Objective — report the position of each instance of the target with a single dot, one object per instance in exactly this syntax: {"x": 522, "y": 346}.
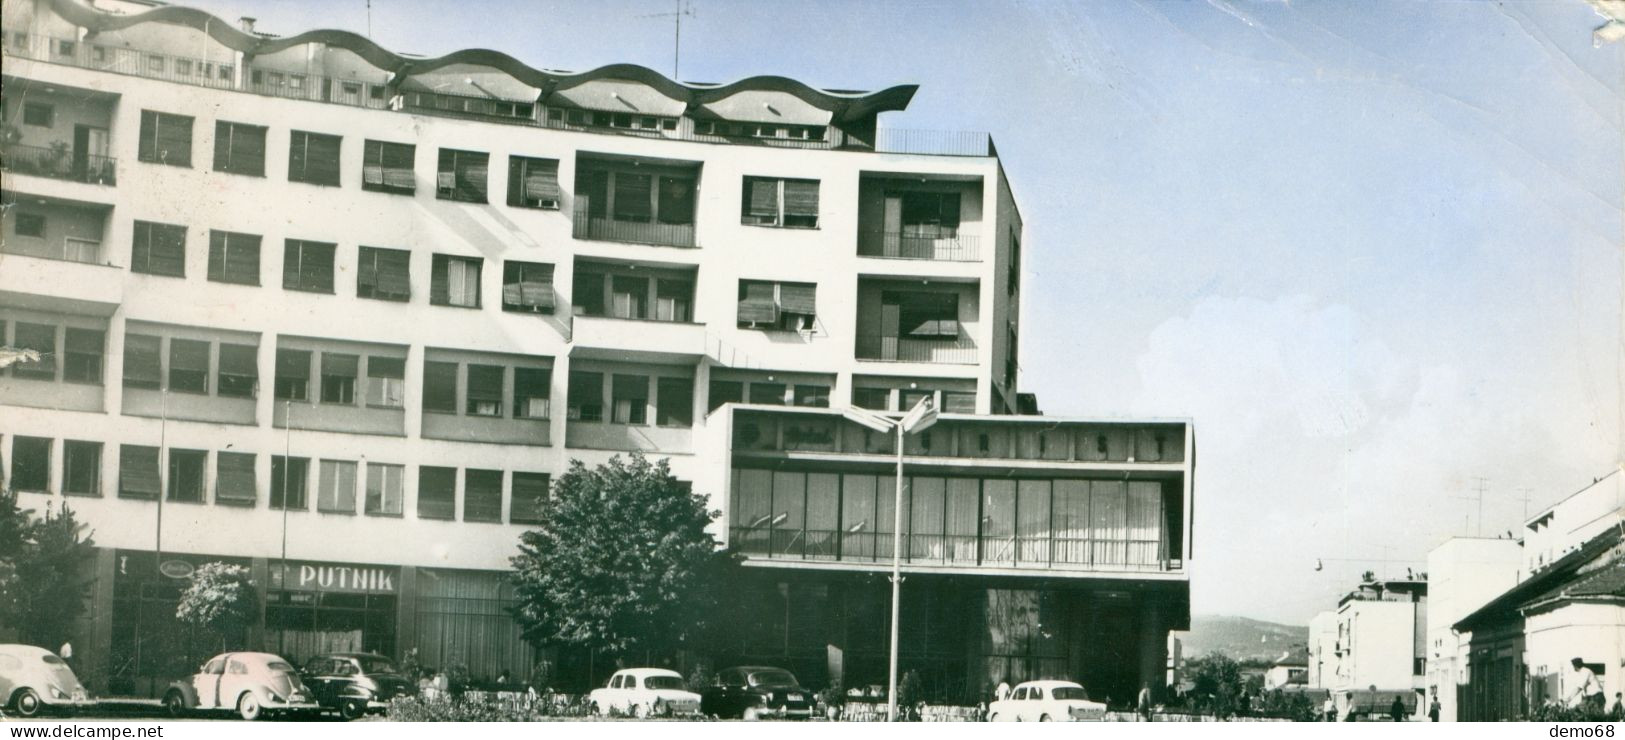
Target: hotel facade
{"x": 340, "y": 316}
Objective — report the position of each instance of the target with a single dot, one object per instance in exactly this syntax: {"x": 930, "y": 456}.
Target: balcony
{"x": 957, "y": 350}
{"x": 608, "y": 229}
{"x": 903, "y": 245}
{"x": 591, "y": 435}
{"x": 60, "y": 163}
{"x": 601, "y": 337}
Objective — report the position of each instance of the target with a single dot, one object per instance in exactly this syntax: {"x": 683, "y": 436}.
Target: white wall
{"x": 1464, "y": 573}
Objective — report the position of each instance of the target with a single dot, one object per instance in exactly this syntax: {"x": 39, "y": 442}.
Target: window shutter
{"x": 293, "y": 364}
{"x": 541, "y": 179}
{"x": 485, "y": 383}
{"x": 298, "y": 156}
{"x": 632, "y": 197}
{"x": 175, "y": 139}
{"x": 676, "y": 200}
{"x": 472, "y": 173}
{"x": 141, "y": 361}
{"x": 159, "y": 249}
{"x": 234, "y": 258}
{"x": 83, "y": 341}
{"x": 801, "y": 197}
{"x": 764, "y": 197}
{"x": 440, "y": 386}
{"x": 322, "y": 159}
{"x": 238, "y": 359}
{"x": 801, "y": 298}
{"x": 440, "y": 280}
{"x": 307, "y": 266}
{"x": 138, "y": 471}
{"x": 147, "y": 148}
{"x": 235, "y": 478}
{"x": 482, "y": 495}
{"x": 386, "y": 367}
{"x": 341, "y": 365}
{"x": 397, "y": 164}
{"x": 392, "y": 272}
{"x": 527, "y": 285}
{"x": 530, "y": 497}
{"x": 188, "y": 354}
{"x": 757, "y": 305}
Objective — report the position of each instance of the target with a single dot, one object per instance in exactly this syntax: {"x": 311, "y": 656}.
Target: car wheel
{"x": 598, "y": 709}
{"x": 994, "y": 717}
{"x": 175, "y": 704}
{"x": 26, "y": 703}
{"x": 641, "y": 711}
{"x": 248, "y": 707}
{"x": 1043, "y": 718}
{"x": 352, "y": 709}
{"x": 749, "y": 715}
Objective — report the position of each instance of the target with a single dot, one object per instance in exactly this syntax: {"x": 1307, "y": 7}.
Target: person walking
{"x": 1143, "y": 704}
{"x": 1328, "y": 708}
{"x": 1433, "y": 710}
{"x": 1617, "y": 714}
{"x": 1397, "y": 709}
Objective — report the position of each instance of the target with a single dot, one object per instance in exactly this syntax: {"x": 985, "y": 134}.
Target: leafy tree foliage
{"x": 220, "y": 598}
{"x": 42, "y": 571}
{"x": 1219, "y": 684}
{"x": 623, "y": 563}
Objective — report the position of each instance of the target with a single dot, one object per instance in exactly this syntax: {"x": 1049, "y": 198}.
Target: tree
{"x": 42, "y": 566}
{"x": 220, "y": 598}
{"x": 1219, "y": 684}
{"x": 623, "y": 562}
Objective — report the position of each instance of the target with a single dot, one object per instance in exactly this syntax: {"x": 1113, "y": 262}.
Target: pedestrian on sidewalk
{"x": 1397, "y": 709}
{"x": 1144, "y": 702}
{"x": 1433, "y": 710}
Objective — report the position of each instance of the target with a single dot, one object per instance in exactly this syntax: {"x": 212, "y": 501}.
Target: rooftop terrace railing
{"x": 360, "y": 93}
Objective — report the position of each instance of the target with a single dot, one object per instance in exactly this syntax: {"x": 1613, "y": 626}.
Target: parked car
{"x": 250, "y": 684}
{"x": 1046, "y": 701}
{"x": 33, "y": 680}
{"x": 645, "y": 692}
{"x": 354, "y": 684}
{"x": 756, "y": 692}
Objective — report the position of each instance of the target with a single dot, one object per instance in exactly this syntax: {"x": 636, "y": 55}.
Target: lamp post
{"x": 923, "y": 415}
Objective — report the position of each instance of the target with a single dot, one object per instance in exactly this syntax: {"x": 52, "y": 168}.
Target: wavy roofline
{"x": 842, "y": 106}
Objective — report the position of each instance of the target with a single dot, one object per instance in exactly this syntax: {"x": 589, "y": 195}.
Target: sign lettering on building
{"x": 328, "y": 578}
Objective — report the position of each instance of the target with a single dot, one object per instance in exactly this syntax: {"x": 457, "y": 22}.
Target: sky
{"x": 1372, "y": 249}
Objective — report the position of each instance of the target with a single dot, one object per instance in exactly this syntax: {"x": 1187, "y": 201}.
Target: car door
{"x": 237, "y": 679}
{"x": 1022, "y": 701}
{"x": 206, "y": 683}
{"x": 617, "y": 692}
{"x": 319, "y": 678}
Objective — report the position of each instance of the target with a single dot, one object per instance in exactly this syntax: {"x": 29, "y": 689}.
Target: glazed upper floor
{"x": 190, "y": 46}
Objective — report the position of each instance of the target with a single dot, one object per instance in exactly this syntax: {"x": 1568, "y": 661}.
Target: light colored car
{"x": 645, "y": 692}
{"x": 1046, "y": 701}
{"x": 250, "y": 684}
{"x": 34, "y": 679}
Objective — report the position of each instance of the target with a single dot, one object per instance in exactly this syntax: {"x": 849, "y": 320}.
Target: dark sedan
{"x": 756, "y": 692}
{"x": 354, "y": 684}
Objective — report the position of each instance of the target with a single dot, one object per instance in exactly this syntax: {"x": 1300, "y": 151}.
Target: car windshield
{"x": 1065, "y": 693}
{"x": 378, "y": 665}
{"x": 51, "y": 659}
{"x": 664, "y": 682}
{"x": 277, "y": 665}
{"x": 772, "y": 678}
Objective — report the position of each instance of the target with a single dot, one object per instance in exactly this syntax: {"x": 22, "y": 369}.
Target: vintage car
{"x": 645, "y": 692}
{"x": 33, "y": 680}
{"x": 756, "y": 692}
{"x": 354, "y": 684}
{"x": 1046, "y": 701}
{"x": 250, "y": 684}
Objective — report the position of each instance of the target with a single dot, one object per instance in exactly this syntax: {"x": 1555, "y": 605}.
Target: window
{"x": 142, "y": 358}
{"x": 437, "y": 492}
{"x": 672, "y": 299}
{"x": 384, "y": 489}
{"x": 165, "y": 138}
{"x": 307, "y": 266}
{"x": 674, "y": 402}
{"x": 772, "y": 201}
{"x": 158, "y": 249}
{"x": 335, "y": 487}
{"x": 186, "y": 476}
{"x": 239, "y": 372}
{"x": 589, "y": 293}
{"x": 877, "y": 399}
{"x": 485, "y": 390}
{"x": 81, "y": 468}
{"x": 386, "y": 382}
{"x": 772, "y": 394}
{"x": 313, "y": 158}
{"x": 631, "y": 398}
{"x": 482, "y": 495}
{"x": 924, "y": 315}
{"x": 533, "y": 183}
{"x": 384, "y": 274}
{"x": 528, "y": 504}
{"x": 234, "y": 478}
{"x": 812, "y": 395}
{"x": 632, "y": 197}
{"x": 30, "y": 224}
{"x": 777, "y": 306}
{"x": 30, "y": 463}
{"x": 531, "y": 391}
{"x": 930, "y": 214}
{"x": 637, "y": 197}
{"x": 455, "y": 281}
{"x": 676, "y": 201}
{"x": 1010, "y": 364}
{"x": 42, "y": 339}
{"x": 586, "y": 396}
{"x": 725, "y": 391}
{"x": 440, "y": 387}
{"x": 188, "y": 366}
{"x": 82, "y": 358}
{"x": 234, "y": 258}
{"x": 39, "y": 114}
{"x": 138, "y": 472}
{"x": 527, "y": 287}
{"x": 1012, "y": 279}
{"x": 338, "y": 378}
{"x": 292, "y": 374}
{"x": 462, "y": 176}
{"x": 239, "y": 148}
{"x": 957, "y": 402}
{"x": 387, "y": 167}
{"x": 629, "y": 297}
{"x": 290, "y": 482}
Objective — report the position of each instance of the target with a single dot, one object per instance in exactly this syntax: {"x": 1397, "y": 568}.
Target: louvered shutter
{"x": 397, "y": 163}
{"x": 799, "y": 298}
{"x": 392, "y": 273}
{"x": 138, "y": 472}
{"x": 234, "y": 258}
{"x": 632, "y": 197}
{"x": 764, "y": 197}
{"x": 472, "y": 174}
{"x": 541, "y": 180}
{"x": 801, "y": 197}
{"x": 757, "y": 306}
{"x": 439, "y": 280}
{"x": 141, "y": 361}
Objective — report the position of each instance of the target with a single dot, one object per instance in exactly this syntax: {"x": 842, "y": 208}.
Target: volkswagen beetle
{"x": 250, "y": 684}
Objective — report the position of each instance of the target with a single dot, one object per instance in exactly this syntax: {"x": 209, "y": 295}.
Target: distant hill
{"x": 1241, "y": 638}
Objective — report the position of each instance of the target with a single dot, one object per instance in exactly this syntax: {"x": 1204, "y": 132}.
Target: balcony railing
{"x": 924, "y": 141}
{"x": 68, "y": 249}
{"x": 958, "y": 350}
{"x": 317, "y": 88}
{"x": 607, "y": 228}
{"x": 906, "y": 246}
{"x": 59, "y": 163}
{"x": 1041, "y": 550}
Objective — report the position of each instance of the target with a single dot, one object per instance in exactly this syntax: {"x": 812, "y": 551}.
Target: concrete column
{"x": 93, "y": 644}
{"x": 1153, "y": 659}
{"x": 406, "y": 614}
{"x": 260, "y": 571}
